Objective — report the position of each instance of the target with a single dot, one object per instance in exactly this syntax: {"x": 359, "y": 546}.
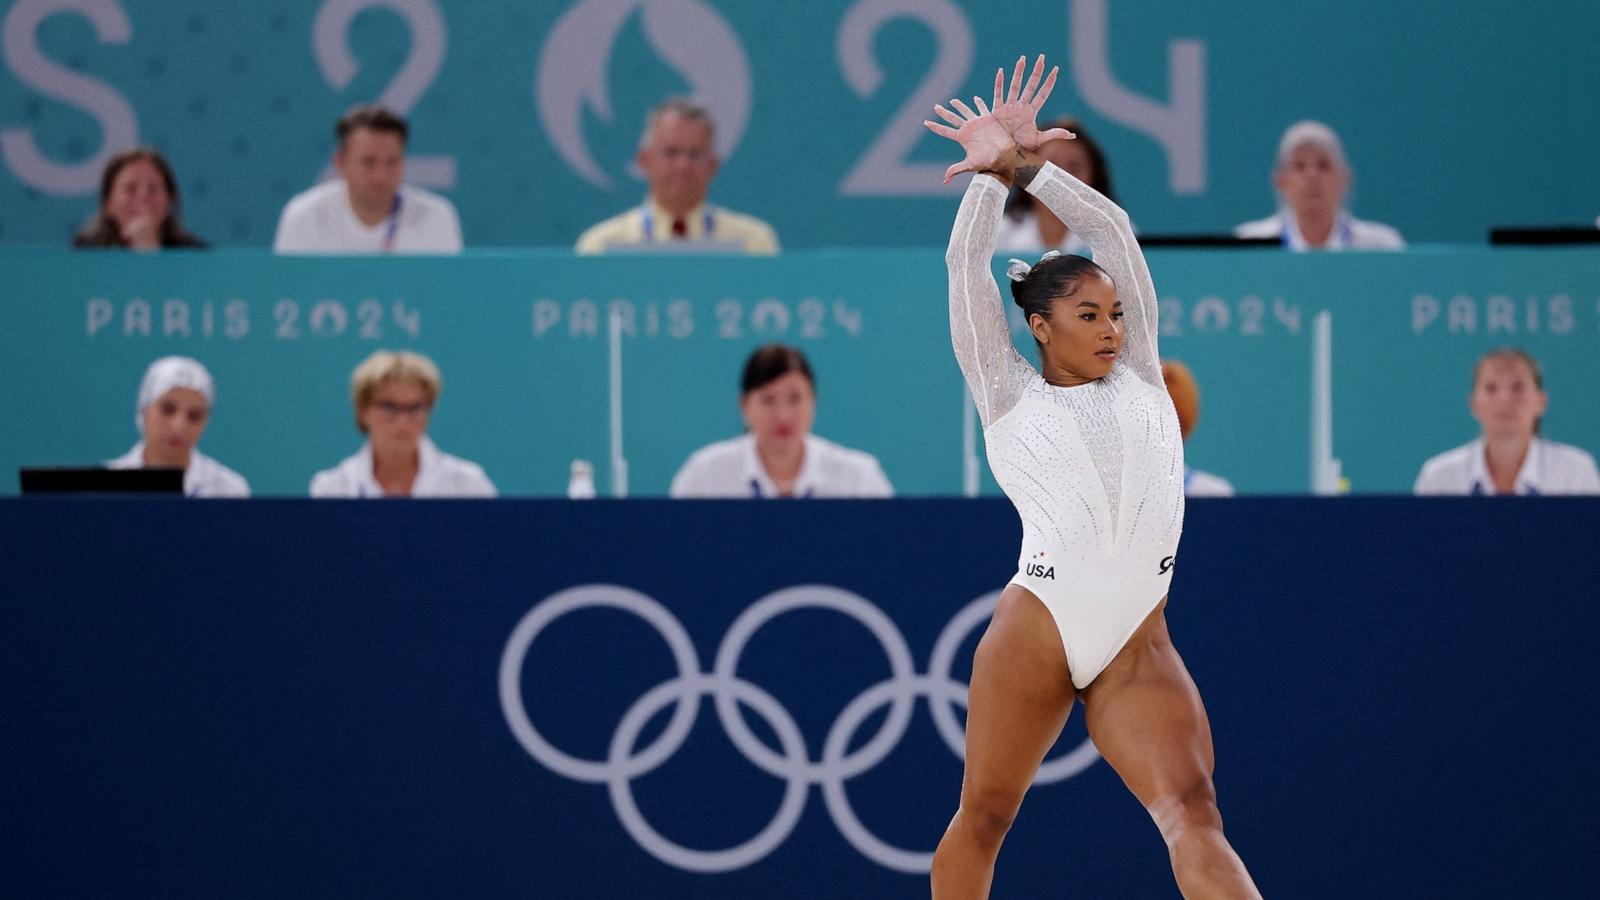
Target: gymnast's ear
{"x": 1040, "y": 326}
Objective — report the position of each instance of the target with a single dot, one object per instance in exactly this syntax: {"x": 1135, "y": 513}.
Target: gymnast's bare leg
{"x": 1146, "y": 718}
{"x": 1016, "y": 707}
{"x": 1144, "y": 715}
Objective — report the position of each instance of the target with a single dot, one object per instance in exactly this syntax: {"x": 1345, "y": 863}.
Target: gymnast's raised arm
{"x": 979, "y": 332}
{"x": 1100, "y": 222}
{"x": 995, "y": 372}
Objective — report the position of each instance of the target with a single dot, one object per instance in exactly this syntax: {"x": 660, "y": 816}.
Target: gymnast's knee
{"x": 1187, "y": 812}
{"x": 988, "y": 815}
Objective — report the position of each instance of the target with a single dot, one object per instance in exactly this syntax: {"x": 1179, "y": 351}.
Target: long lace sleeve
{"x": 995, "y": 372}
{"x": 1104, "y": 226}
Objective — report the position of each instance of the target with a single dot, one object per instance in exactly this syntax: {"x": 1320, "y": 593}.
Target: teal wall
{"x": 521, "y": 341}
{"x": 1457, "y": 115}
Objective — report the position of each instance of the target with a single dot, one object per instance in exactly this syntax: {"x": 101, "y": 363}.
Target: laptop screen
{"x": 97, "y": 480}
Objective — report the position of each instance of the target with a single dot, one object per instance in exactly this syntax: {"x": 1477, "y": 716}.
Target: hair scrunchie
{"x": 1018, "y": 270}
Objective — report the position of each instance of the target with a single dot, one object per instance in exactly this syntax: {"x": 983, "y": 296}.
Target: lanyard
{"x": 755, "y": 491}
{"x": 1486, "y": 486}
{"x": 393, "y": 227}
{"x": 650, "y": 225}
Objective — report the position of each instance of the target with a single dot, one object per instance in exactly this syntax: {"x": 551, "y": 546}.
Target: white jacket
{"x": 1549, "y": 468}
{"x": 732, "y": 469}
{"x": 438, "y": 475}
{"x": 1349, "y": 233}
{"x": 204, "y": 476}
{"x": 320, "y": 220}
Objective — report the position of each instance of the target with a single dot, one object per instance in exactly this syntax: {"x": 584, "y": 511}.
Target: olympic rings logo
{"x": 625, "y": 762}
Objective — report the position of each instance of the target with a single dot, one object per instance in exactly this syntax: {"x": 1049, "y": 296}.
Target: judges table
{"x": 603, "y": 699}
{"x": 523, "y": 339}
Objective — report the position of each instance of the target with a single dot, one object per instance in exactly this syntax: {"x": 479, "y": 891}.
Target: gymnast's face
{"x": 781, "y": 410}
{"x": 1083, "y": 336}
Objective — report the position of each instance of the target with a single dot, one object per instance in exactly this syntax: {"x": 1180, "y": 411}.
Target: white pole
{"x": 969, "y": 445}
{"x": 1325, "y": 474}
{"x": 619, "y": 463}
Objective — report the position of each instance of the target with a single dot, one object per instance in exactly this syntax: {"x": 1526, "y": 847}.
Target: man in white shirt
{"x": 368, "y": 209}
{"x": 1312, "y": 179}
{"x": 679, "y": 160}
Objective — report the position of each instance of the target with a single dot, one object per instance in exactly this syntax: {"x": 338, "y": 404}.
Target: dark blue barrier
{"x": 286, "y": 698}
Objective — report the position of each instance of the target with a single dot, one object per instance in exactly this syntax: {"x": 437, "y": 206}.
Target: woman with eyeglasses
{"x": 393, "y": 393}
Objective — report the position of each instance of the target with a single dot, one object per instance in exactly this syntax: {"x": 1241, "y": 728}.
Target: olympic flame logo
{"x": 625, "y": 762}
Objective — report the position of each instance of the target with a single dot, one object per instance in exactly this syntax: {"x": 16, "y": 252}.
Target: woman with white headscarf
{"x": 1312, "y": 179}
{"x": 175, "y": 402}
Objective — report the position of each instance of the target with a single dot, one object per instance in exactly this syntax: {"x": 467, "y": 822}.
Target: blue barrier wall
{"x": 286, "y": 698}
{"x": 521, "y": 341}
{"x": 527, "y": 115}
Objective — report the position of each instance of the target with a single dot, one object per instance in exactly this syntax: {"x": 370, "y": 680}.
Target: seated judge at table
{"x": 778, "y": 456}
{"x": 393, "y": 393}
{"x": 1510, "y": 457}
{"x": 174, "y": 407}
{"x": 1312, "y": 179}
{"x": 679, "y": 161}
{"x": 369, "y": 208}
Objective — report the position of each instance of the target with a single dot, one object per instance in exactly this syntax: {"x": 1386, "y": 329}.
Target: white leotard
{"x": 1096, "y": 470}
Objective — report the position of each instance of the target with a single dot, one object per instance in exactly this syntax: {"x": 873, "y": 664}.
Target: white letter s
{"x": 118, "y": 126}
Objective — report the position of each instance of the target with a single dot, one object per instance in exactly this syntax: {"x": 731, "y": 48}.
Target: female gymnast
{"x": 1090, "y": 454}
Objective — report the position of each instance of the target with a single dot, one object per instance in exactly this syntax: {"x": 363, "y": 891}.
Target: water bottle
{"x": 581, "y": 485}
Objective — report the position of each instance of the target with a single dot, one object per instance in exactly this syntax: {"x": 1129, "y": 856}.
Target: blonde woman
{"x": 393, "y": 393}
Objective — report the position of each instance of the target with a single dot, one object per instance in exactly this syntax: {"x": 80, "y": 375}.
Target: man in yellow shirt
{"x": 679, "y": 161}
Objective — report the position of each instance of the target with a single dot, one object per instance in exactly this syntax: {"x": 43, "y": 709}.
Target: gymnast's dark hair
{"x": 1054, "y": 278}
{"x": 771, "y": 362}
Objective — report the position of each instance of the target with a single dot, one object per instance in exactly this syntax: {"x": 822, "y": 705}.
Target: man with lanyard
{"x": 1312, "y": 178}
{"x": 368, "y": 209}
{"x": 678, "y": 160}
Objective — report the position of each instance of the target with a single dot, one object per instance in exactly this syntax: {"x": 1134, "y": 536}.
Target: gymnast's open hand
{"x": 990, "y": 137}
{"x": 1019, "y": 110}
